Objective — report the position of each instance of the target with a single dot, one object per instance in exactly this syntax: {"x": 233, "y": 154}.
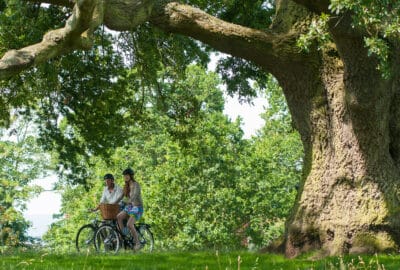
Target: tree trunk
{"x": 349, "y": 198}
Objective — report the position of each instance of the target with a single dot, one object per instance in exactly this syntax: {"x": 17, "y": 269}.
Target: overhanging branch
{"x": 265, "y": 48}
{"x": 77, "y": 34}
{"x": 261, "y": 47}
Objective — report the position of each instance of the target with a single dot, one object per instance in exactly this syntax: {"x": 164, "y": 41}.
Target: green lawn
{"x": 195, "y": 260}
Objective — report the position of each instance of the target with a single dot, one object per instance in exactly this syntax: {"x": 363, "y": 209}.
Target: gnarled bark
{"x": 349, "y": 200}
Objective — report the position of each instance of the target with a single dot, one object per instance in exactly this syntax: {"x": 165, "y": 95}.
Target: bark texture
{"x": 349, "y": 200}
{"x": 346, "y": 113}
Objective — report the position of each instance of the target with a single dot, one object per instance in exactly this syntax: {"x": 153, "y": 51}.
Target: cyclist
{"x": 112, "y": 193}
{"x": 134, "y": 206}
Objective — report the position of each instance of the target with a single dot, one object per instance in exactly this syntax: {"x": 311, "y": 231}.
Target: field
{"x": 190, "y": 261}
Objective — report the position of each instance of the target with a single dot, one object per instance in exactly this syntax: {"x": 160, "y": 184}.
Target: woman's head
{"x": 128, "y": 174}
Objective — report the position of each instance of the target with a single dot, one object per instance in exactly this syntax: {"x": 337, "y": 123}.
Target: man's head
{"x": 109, "y": 178}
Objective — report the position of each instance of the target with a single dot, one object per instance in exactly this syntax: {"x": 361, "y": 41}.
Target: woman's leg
{"x": 131, "y": 226}
{"x": 120, "y": 218}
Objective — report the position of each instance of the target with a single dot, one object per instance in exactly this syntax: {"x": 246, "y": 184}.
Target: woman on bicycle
{"x": 134, "y": 206}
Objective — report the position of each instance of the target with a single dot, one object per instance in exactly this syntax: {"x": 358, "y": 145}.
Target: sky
{"x": 41, "y": 209}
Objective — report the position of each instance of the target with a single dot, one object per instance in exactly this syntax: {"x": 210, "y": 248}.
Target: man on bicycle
{"x": 112, "y": 193}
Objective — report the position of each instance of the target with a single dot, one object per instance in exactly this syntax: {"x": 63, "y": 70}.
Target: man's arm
{"x": 119, "y": 194}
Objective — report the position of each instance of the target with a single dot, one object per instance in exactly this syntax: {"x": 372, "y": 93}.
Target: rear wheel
{"x": 107, "y": 239}
{"x": 84, "y": 240}
{"x": 146, "y": 238}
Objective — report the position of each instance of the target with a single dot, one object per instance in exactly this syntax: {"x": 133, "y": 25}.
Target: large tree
{"x": 343, "y": 97}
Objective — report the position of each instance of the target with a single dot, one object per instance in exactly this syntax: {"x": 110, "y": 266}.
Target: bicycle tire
{"x": 146, "y": 238}
{"x": 107, "y": 239}
{"x": 84, "y": 240}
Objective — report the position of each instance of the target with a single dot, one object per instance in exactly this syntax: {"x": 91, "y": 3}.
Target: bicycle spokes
{"x": 85, "y": 239}
{"x": 107, "y": 239}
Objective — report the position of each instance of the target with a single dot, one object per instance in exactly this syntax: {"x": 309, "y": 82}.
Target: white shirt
{"x": 111, "y": 197}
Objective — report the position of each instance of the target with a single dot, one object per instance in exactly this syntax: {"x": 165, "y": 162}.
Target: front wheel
{"x": 146, "y": 239}
{"x": 84, "y": 240}
{"x": 107, "y": 239}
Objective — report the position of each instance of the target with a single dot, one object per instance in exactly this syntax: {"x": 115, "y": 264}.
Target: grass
{"x": 189, "y": 261}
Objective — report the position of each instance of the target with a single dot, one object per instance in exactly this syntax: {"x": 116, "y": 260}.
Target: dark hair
{"x": 109, "y": 176}
{"x": 128, "y": 171}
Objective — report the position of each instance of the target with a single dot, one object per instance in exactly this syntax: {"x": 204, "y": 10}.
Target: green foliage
{"x": 380, "y": 20}
{"x": 23, "y": 24}
{"x": 377, "y": 21}
{"x": 379, "y": 48}
{"x": 194, "y": 202}
{"x": 203, "y": 183}
{"x": 376, "y": 17}
{"x": 74, "y": 213}
{"x": 255, "y": 14}
{"x": 317, "y": 32}
{"x": 198, "y": 138}
{"x": 87, "y": 108}
{"x": 150, "y": 51}
{"x": 21, "y": 162}
{"x": 138, "y": 103}
{"x": 238, "y": 75}
{"x": 271, "y": 169}
{"x": 84, "y": 115}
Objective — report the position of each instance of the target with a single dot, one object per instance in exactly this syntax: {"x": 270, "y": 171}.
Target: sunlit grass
{"x": 189, "y": 260}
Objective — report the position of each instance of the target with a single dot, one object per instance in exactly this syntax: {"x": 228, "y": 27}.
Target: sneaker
{"x": 130, "y": 243}
{"x": 107, "y": 240}
{"x": 137, "y": 247}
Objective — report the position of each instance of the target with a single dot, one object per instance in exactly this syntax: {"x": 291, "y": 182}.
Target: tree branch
{"x": 267, "y": 49}
{"x": 77, "y": 34}
{"x": 264, "y": 48}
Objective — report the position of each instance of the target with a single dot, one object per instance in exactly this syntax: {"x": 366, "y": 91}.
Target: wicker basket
{"x": 109, "y": 211}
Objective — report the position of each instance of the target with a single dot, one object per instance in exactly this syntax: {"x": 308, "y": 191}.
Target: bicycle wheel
{"x": 107, "y": 239}
{"x": 84, "y": 240}
{"x": 146, "y": 238}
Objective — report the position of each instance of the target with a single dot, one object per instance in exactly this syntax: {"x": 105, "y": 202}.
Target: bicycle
{"x": 109, "y": 238}
{"x": 84, "y": 239}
